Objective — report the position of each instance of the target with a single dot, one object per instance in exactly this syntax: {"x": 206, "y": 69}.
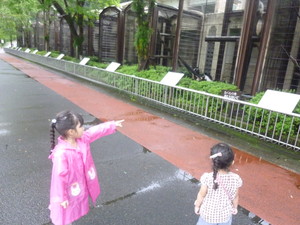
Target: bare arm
{"x": 201, "y": 194}
{"x": 235, "y": 202}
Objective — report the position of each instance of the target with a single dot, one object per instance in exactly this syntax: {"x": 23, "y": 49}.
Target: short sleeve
{"x": 205, "y": 179}
{"x": 239, "y": 181}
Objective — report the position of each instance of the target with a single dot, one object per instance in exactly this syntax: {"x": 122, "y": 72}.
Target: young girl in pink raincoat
{"x": 74, "y": 177}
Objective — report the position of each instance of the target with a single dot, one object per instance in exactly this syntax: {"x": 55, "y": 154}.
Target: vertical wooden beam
{"x": 61, "y": 33}
{"x": 265, "y": 37}
{"x": 177, "y": 36}
{"x": 153, "y": 25}
{"x": 90, "y": 40}
{"x": 120, "y": 37}
{"x": 245, "y": 46}
{"x": 226, "y": 21}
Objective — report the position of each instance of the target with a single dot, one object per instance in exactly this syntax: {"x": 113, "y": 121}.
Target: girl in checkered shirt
{"x": 217, "y": 199}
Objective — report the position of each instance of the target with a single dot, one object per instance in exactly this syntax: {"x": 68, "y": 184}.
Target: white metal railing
{"x": 282, "y": 128}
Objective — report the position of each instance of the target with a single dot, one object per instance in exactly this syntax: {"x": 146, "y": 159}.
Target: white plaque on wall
{"x": 171, "y": 78}
{"x": 113, "y": 66}
{"x": 84, "y": 61}
{"x": 279, "y": 101}
{"x": 60, "y": 56}
{"x": 47, "y": 54}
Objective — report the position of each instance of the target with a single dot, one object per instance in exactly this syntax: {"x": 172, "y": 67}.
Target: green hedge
{"x": 155, "y": 73}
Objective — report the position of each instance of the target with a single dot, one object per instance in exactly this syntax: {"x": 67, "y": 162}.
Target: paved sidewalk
{"x": 269, "y": 191}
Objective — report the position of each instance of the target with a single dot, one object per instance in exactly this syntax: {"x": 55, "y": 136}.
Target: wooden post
{"x": 245, "y": 47}
{"x": 177, "y": 36}
{"x": 265, "y": 37}
{"x": 224, "y": 32}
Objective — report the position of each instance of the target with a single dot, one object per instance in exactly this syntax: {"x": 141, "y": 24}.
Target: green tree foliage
{"x": 144, "y": 31}
{"x": 78, "y": 13}
{"x": 19, "y": 15}
{"x": 16, "y": 16}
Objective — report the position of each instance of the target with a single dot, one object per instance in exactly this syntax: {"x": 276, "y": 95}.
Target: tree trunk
{"x": 46, "y": 30}
{"x": 143, "y": 64}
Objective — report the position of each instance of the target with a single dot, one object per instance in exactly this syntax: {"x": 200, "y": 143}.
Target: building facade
{"x": 254, "y": 44}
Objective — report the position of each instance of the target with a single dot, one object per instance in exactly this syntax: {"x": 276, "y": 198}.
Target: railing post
{"x": 136, "y": 86}
{"x": 165, "y": 93}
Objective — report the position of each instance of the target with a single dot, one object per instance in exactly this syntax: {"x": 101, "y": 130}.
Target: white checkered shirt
{"x": 217, "y": 204}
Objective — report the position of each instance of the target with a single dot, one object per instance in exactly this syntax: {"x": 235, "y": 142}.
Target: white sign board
{"x": 84, "y": 61}
{"x": 35, "y": 51}
{"x": 60, "y": 56}
{"x": 171, "y": 78}
{"x": 113, "y": 66}
{"x": 279, "y": 101}
{"x": 47, "y": 54}
{"x": 27, "y": 50}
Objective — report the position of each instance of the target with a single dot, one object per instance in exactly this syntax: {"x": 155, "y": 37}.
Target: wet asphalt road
{"x": 138, "y": 187}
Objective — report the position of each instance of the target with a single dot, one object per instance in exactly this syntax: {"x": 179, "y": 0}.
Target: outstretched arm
{"x": 102, "y": 129}
{"x": 201, "y": 194}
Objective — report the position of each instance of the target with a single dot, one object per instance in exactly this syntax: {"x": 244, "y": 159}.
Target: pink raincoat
{"x": 74, "y": 176}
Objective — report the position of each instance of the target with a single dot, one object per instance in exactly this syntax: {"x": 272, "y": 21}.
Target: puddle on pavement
{"x": 182, "y": 175}
{"x": 151, "y": 187}
{"x": 254, "y": 218}
{"x": 243, "y": 159}
{"x": 4, "y": 132}
{"x": 5, "y": 124}
{"x": 139, "y": 115}
{"x": 143, "y": 118}
{"x": 49, "y": 223}
{"x": 88, "y": 124}
{"x": 137, "y": 112}
{"x": 119, "y": 199}
{"x": 145, "y": 150}
{"x": 179, "y": 175}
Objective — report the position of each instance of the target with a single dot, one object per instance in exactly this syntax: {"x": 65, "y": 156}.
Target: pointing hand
{"x": 119, "y": 123}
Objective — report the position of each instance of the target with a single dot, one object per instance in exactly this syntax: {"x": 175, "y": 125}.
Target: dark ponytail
{"x": 222, "y": 157}
{"x": 63, "y": 122}
{"x": 215, "y": 172}
{"x": 52, "y": 134}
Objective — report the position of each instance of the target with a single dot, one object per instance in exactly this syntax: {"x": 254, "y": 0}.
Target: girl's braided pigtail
{"x": 215, "y": 172}
{"x": 216, "y": 167}
{"x": 222, "y": 157}
{"x": 52, "y": 134}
